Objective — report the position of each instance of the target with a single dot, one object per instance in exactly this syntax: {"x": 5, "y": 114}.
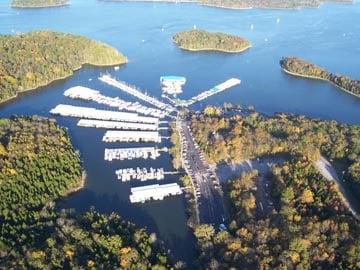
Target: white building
{"x": 154, "y": 192}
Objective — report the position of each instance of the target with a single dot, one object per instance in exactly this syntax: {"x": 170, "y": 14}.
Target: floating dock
{"x": 172, "y": 85}
{"x": 154, "y": 192}
{"x": 91, "y": 113}
{"x": 213, "y": 91}
{"x": 132, "y": 90}
{"x": 141, "y": 174}
{"x": 133, "y": 153}
{"x": 131, "y": 136}
{"x": 116, "y": 125}
{"x": 84, "y": 93}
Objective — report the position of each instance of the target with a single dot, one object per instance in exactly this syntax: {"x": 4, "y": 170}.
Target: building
{"x": 154, "y": 192}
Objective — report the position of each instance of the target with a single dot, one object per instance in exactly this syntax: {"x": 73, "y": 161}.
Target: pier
{"x": 154, "y": 192}
{"x": 84, "y": 93}
{"x": 116, "y": 125}
{"x": 132, "y": 90}
{"x": 133, "y": 153}
{"x": 132, "y": 136}
{"x": 141, "y": 174}
{"x": 91, "y": 113}
{"x": 213, "y": 91}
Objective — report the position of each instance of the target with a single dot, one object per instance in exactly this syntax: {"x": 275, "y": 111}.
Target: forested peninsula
{"x": 38, "y": 166}
{"x": 38, "y": 3}
{"x": 308, "y": 225}
{"x": 298, "y": 67}
{"x": 200, "y": 40}
{"x": 35, "y": 59}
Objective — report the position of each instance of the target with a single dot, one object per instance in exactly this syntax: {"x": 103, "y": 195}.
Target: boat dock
{"x": 133, "y": 153}
{"x": 213, "y": 91}
{"x": 131, "y": 136}
{"x": 141, "y": 174}
{"x": 132, "y": 90}
{"x": 84, "y": 93}
{"x": 116, "y": 125}
{"x": 154, "y": 192}
{"x": 91, "y": 113}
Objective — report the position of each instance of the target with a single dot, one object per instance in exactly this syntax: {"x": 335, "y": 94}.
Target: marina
{"x": 142, "y": 174}
{"x": 133, "y": 153}
{"x": 116, "y": 125}
{"x": 154, "y": 192}
{"x": 132, "y": 90}
{"x": 131, "y": 136}
{"x": 213, "y": 91}
{"x": 91, "y": 113}
{"x": 84, "y": 93}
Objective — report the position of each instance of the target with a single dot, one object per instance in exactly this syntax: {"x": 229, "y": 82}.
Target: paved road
{"x": 329, "y": 172}
{"x": 207, "y": 188}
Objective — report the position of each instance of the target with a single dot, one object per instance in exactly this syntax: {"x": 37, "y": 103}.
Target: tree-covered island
{"x": 38, "y": 3}
{"x": 35, "y": 59}
{"x": 38, "y": 165}
{"x": 200, "y": 40}
{"x": 299, "y": 67}
{"x": 291, "y": 216}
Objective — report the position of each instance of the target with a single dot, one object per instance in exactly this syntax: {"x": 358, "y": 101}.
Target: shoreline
{"x": 319, "y": 78}
{"x": 212, "y": 49}
{"x": 9, "y": 99}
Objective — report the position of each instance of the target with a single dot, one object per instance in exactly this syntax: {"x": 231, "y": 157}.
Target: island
{"x": 200, "y": 40}
{"x": 39, "y": 166}
{"x": 285, "y": 212}
{"x": 35, "y": 59}
{"x": 299, "y": 67}
{"x": 38, "y": 3}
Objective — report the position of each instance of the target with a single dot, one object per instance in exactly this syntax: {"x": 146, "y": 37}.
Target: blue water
{"x": 328, "y": 36}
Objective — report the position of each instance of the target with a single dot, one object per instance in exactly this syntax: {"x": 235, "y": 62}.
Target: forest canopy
{"x": 38, "y": 165}
{"x": 309, "y": 226}
{"x": 200, "y": 40}
{"x": 35, "y": 59}
{"x": 38, "y": 3}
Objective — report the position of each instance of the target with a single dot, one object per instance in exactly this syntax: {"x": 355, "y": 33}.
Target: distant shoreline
{"x": 42, "y": 6}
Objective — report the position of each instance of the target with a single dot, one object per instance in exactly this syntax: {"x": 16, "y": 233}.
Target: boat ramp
{"x": 84, "y": 93}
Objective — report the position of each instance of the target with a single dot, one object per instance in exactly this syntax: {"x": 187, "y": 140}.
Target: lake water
{"x": 328, "y": 36}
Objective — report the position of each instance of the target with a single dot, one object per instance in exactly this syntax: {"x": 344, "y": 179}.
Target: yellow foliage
{"x": 307, "y": 196}
{"x": 90, "y": 263}
{"x": 125, "y": 250}
{"x": 234, "y": 246}
{"x": 69, "y": 254}
{"x": 294, "y": 256}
